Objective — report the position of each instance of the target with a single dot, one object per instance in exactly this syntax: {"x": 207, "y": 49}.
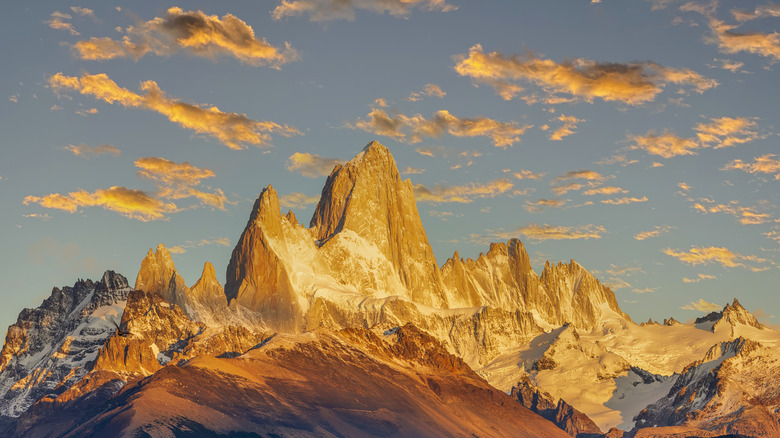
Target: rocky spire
{"x": 158, "y": 275}
{"x": 257, "y": 277}
{"x": 368, "y": 197}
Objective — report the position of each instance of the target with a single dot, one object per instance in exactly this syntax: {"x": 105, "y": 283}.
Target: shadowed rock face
{"x": 562, "y": 414}
{"x": 353, "y": 382}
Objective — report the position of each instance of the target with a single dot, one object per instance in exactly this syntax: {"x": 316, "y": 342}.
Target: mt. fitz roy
{"x": 351, "y": 328}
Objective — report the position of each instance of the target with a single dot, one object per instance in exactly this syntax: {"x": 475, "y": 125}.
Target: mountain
{"x": 350, "y": 327}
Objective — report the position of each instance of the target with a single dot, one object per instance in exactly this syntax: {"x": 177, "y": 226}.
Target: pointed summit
{"x": 207, "y": 286}
{"x": 158, "y": 275}
{"x": 366, "y": 196}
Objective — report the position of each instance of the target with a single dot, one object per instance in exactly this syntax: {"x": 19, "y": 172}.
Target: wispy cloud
{"x": 762, "y": 11}
{"x": 412, "y": 129}
{"x": 463, "y": 194}
{"x": 569, "y": 127}
{"x": 232, "y": 129}
{"x": 428, "y": 90}
{"x": 311, "y": 165}
{"x": 84, "y": 150}
{"x": 182, "y": 248}
{"x": 606, "y": 190}
{"x": 174, "y": 181}
{"x": 718, "y": 133}
{"x": 624, "y": 200}
{"x": 746, "y": 215}
{"x": 412, "y": 171}
{"x": 527, "y": 174}
{"x": 655, "y": 232}
{"x": 730, "y": 41}
{"x": 713, "y": 254}
{"x": 702, "y": 306}
{"x": 194, "y": 32}
{"x": 699, "y": 278}
{"x": 58, "y": 21}
{"x": 763, "y": 164}
{"x": 551, "y": 232}
{"x": 297, "y": 200}
{"x": 632, "y": 83}
{"x": 540, "y": 204}
{"x": 328, "y": 10}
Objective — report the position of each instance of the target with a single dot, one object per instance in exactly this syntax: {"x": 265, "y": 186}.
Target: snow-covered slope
{"x": 53, "y": 346}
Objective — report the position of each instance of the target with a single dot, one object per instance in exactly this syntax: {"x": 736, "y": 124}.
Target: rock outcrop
{"x": 562, "y": 414}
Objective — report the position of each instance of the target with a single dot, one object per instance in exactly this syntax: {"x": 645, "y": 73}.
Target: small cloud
{"x": 589, "y": 175}
{"x": 58, "y": 21}
{"x": 646, "y": 290}
{"x": 412, "y": 129}
{"x": 328, "y": 10}
{"x": 461, "y": 194}
{"x": 657, "y": 231}
{"x": 551, "y": 232}
{"x": 84, "y": 150}
{"x": 763, "y": 164}
{"x": 746, "y": 215}
{"x": 699, "y": 278}
{"x": 14, "y": 98}
{"x": 620, "y": 159}
{"x": 412, "y": 171}
{"x": 718, "y": 133}
{"x": 441, "y": 215}
{"x": 87, "y": 112}
{"x": 84, "y": 12}
{"x": 606, "y": 190}
{"x": 540, "y": 204}
{"x": 182, "y": 248}
{"x": 624, "y": 200}
{"x": 706, "y": 255}
{"x": 311, "y": 165}
{"x": 297, "y": 200}
{"x": 43, "y": 216}
{"x": 702, "y": 306}
{"x": 428, "y": 90}
{"x": 527, "y": 174}
{"x": 569, "y": 127}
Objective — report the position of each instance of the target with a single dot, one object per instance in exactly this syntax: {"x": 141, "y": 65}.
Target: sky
{"x": 638, "y": 138}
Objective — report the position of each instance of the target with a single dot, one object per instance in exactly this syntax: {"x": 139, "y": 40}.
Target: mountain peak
{"x": 158, "y": 275}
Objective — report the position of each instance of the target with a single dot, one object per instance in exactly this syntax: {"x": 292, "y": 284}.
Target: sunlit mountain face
{"x": 372, "y": 197}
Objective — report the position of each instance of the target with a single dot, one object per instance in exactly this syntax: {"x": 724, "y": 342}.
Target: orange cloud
{"x": 527, "y": 174}
{"x": 770, "y": 10}
{"x": 568, "y": 128}
{"x": 57, "y": 22}
{"x": 539, "y": 205}
{"x": 624, "y": 200}
{"x": 699, "y": 278}
{"x": 657, "y": 231}
{"x": 193, "y": 31}
{"x": 590, "y": 175}
{"x": 719, "y": 133}
{"x": 608, "y": 190}
{"x": 707, "y": 255}
{"x": 297, "y": 200}
{"x": 746, "y": 215}
{"x": 85, "y": 150}
{"x": 412, "y": 129}
{"x": 232, "y": 129}
{"x": 412, "y": 171}
{"x": 428, "y": 90}
{"x": 462, "y": 194}
{"x": 550, "y": 232}
{"x": 178, "y": 180}
{"x": 182, "y": 248}
{"x": 702, "y": 306}
{"x": 630, "y": 83}
{"x": 131, "y": 203}
{"x": 729, "y": 41}
{"x": 763, "y": 164}
{"x": 311, "y": 165}
{"x": 327, "y": 10}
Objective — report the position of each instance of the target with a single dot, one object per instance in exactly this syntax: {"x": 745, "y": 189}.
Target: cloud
{"x": 746, "y": 215}
{"x": 428, "y": 90}
{"x": 763, "y": 164}
{"x": 606, "y": 190}
{"x": 702, "y": 306}
{"x": 327, "y": 10}
{"x": 462, "y": 194}
{"x": 174, "y": 181}
{"x": 43, "y": 216}
{"x": 624, "y": 200}
{"x": 727, "y": 64}
{"x": 569, "y": 127}
{"x": 193, "y": 31}
{"x": 590, "y": 175}
{"x": 685, "y": 187}
{"x": 57, "y": 22}
{"x": 710, "y": 254}
{"x": 182, "y": 248}
{"x": 311, "y": 165}
{"x": 719, "y": 133}
{"x": 699, "y": 278}
{"x": 232, "y": 129}
{"x": 620, "y": 159}
{"x": 773, "y": 235}
{"x": 412, "y": 129}
{"x": 633, "y": 83}
{"x": 178, "y": 180}
{"x": 729, "y": 41}
{"x": 441, "y": 215}
{"x": 655, "y": 232}
{"x": 539, "y": 205}
{"x": 770, "y": 10}
{"x": 646, "y": 290}
{"x": 412, "y": 171}
{"x": 527, "y": 174}
{"x": 84, "y": 12}
{"x": 550, "y": 232}
{"x": 134, "y": 204}
{"x": 83, "y": 150}
{"x": 297, "y": 200}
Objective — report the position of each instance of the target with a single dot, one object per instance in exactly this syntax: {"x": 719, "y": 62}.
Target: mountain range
{"x": 350, "y": 327}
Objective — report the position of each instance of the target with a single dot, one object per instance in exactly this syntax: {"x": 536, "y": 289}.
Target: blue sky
{"x": 639, "y": 139}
